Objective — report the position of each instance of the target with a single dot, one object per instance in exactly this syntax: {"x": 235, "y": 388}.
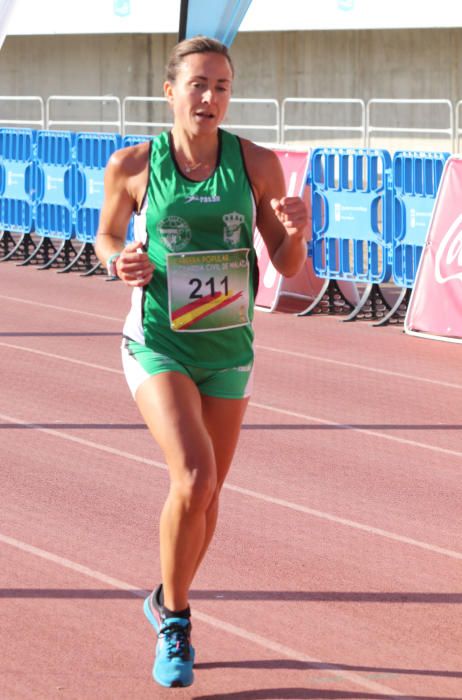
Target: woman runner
{"x": 198, "y": 192}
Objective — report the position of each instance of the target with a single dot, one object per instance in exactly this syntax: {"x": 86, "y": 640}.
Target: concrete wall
{"x": 417, "y": 64}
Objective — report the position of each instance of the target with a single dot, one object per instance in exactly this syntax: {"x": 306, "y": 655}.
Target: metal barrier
{"x": 370, "y": 216}
{"x": 134, "y": 139}
{"x": 102, "y": 100}
{"x": 416, "y": 178}
{"x": 17, "y": 191}
{"x": 92, "y": 154}
{"x": 447, "y": 131}
{"x": 352, "y": 224}
{"x": 54, "y": 184}
{"x": 29, "y": 122}
{"x": 359, "y": 128}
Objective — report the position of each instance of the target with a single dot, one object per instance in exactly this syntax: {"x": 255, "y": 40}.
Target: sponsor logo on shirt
{"x": 232, "y": 230}
{"x": 174, "y": 232}
{"x": 214, "y": 199}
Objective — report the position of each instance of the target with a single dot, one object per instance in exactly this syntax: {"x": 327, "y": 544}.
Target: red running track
{"x": 336, "y": 568}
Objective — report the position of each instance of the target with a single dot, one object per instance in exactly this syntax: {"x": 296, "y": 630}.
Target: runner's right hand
{"x": 133, "y": 265}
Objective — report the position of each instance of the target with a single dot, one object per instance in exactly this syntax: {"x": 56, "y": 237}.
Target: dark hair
{"x": 198, "y": 44}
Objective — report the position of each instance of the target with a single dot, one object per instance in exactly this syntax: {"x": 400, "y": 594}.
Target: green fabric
{"x": 184, "y": 216}
{"x": 228, "y": 383}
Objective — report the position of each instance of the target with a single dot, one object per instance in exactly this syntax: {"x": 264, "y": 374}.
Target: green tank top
{"x": 198, "y": 307}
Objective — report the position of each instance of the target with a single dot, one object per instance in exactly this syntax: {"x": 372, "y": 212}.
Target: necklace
{"x": 191, "y": 167}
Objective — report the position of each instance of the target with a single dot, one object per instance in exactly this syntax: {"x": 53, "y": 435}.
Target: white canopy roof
{"x": 31, "y": 17}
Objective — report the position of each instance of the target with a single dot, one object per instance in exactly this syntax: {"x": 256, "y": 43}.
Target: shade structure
{"x": 219, "y": 19}
{"x": 5, "y": 10}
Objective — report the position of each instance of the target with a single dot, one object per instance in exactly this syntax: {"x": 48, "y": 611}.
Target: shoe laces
{"x": 176, "y": 639}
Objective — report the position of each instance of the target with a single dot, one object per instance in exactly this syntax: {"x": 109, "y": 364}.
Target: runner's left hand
{"x": 291, "y": 212}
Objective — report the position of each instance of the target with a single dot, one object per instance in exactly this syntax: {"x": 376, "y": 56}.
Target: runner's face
{"x": 201, "y": 92}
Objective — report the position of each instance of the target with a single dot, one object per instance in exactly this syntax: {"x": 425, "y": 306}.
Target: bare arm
{"x": 122, "y": 177}
{"x": 282, "y": 221}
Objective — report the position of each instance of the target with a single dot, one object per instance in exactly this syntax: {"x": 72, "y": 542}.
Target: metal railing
{"x": 273, "y": 126}
{"x": 129, "y": 101}
{"x": 359, "y": 128}
{"x": 279, "y": 124}
{"x": 447, "y": 131}
{"x": 142, "y": 124}
{"x": 102, "y": 100}
{"x": 23, "y": 122}
{"x": 457, "y": 129}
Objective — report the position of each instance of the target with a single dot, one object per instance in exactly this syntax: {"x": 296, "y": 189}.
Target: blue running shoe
{"x": 173, "y": 665}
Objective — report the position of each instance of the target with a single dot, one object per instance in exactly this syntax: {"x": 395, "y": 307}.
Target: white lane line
{"x": 61, "y": 308}
{"x": 290, "y": 353}
{"x": 354, "y": 428}
{"x": 363, "y": 368}
{"x": 60, "y": 357}
{"x": 435, "y": 549}
{"x": 349, "y": 523}
{"x": 268, "y": 407}
{"x": 268, "y": 644}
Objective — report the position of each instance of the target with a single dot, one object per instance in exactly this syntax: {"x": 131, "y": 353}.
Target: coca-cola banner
{"x": 435, "y": 308}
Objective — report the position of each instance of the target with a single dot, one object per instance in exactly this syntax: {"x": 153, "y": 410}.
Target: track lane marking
{"x": 363, "y": 368}
{"x": 54, "y": 356}
{"x": 221, "y": 625}
{"x": 290, "y": 353}
{"x": 355, "y": 429}
{"x": 369, "y": 529}
{"x": 266, "y": 407}
{"x": 61, "y": 308}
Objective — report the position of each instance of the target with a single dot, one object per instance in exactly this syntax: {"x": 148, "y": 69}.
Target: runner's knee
{"x": 195, "y": 489}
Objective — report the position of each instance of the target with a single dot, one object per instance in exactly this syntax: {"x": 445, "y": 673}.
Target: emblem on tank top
{"x": 232, "y": 230}
{"x": 174, "y": 232}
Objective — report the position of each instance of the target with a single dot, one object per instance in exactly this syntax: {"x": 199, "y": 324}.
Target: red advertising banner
{"x": 273, "y": 287}
{"x": 435, "y": 307}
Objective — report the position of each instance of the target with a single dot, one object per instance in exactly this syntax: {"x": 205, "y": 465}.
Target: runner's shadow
{"x": 50, "y": 334}
{"x": 74, "y": 426}
{"x": 349, "y": 426}
{"x": 312, "y": 694}
{"x": 370, "y": 672}
{"x": 331, "y": 596}
{"x": 223, "y": 595}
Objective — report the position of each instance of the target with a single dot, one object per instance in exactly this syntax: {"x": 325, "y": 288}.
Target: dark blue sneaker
{"x": 173, "y": 665}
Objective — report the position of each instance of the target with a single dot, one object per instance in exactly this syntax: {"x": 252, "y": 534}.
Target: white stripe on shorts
{"x": 134, "y": 373}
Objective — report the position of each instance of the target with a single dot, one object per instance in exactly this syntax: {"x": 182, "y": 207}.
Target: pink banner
{"x": 435, "y": 308}
{"x": 273, "y": 286}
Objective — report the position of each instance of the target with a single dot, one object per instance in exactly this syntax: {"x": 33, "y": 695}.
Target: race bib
{"x": 208, "y": 291}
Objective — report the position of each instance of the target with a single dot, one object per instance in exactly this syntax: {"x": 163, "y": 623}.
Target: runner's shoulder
{"x": 129, "y": 162}
{"x": 260, "y": 156}
{"x": 261, "y": 163}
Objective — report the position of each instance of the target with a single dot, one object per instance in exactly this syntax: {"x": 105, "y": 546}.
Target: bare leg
{"x": 223, "y": 419}
{"x": 171, "y": 406}
{"x": 198, "y": 436}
